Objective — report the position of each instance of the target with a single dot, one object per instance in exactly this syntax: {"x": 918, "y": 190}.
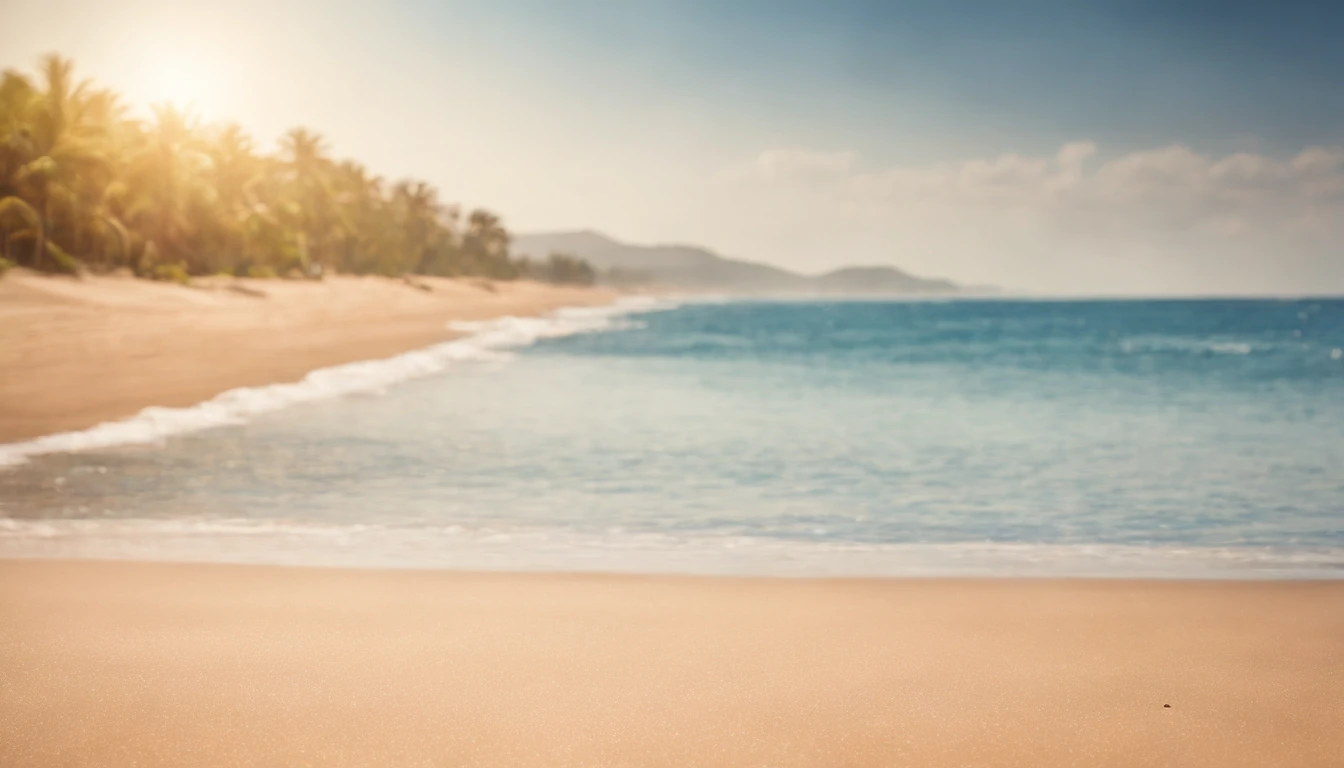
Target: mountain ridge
{"x": 692, "y": 267}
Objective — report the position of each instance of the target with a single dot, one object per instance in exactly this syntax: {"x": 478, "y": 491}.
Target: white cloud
{"x": 1167, "y": 173}
{"x": 1320, "y": 160}
{"x": 1163, "y": 219}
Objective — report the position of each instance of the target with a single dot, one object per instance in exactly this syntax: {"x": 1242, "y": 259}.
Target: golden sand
{"x": 108, "y": 664}
{"x": 74, "y": 353}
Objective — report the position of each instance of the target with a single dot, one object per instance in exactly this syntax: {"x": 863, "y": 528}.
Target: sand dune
{"x": 74, "y": 353}
{"x": 126, "y": 664}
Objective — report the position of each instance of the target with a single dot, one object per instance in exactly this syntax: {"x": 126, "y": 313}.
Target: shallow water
{"x": 1154, "y": 438}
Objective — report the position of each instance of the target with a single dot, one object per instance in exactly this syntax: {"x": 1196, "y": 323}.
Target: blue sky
{"x": 960, "y": 75}
{"x": 930, "y": 135}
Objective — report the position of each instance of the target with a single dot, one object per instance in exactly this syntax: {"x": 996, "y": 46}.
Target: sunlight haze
{"x": 1117, "y": 149}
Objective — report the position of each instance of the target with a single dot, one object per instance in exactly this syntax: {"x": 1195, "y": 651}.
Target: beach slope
{"x": 75, "y": 353}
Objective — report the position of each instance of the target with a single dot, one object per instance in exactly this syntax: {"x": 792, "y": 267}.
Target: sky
{"x": 1136, "y": 147}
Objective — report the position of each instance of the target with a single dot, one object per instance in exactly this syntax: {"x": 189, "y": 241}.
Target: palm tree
{"x": 233, "y": 165}
{"x": 428, "y": 229}
{"x": 485, "y": 246}
{"x": 167, "y": 170}
{"x": 234, "y": 173}
{"x": 169, "y": 197}
{"x": 362, "y": 218}
{"x": 57, "y": 159}
{"x": 14, "y": 209}
{"x": 17, "y": 97}
{"x": 305, "y": 154}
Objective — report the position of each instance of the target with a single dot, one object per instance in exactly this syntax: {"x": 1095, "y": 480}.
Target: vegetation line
{"x": 84, "y": 186}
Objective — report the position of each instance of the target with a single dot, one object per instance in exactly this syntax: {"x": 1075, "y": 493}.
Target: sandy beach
{"x": 75, "y": 353}
{"x": 150, "y": 664}
{"x": 120, "y": 664}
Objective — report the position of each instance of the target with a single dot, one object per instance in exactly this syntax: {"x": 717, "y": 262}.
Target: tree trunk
{"x": 41, "y": 243}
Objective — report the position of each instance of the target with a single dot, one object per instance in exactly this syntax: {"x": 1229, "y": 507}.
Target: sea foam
{"x": 1186, "y": 345}
{"x": 488, "y": 340}
{"x": 510, "y": 548}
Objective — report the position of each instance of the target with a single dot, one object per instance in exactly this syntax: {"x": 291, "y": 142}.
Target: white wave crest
{"x": 487, "y": 341}
{"x": 1188, "y": 345}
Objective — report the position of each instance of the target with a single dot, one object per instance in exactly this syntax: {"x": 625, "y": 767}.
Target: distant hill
{"x": 692, "y": 268}
{"x": 879, "y": 280}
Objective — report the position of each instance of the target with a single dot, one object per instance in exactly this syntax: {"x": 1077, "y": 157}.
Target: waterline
{"x": 488, "y": 340}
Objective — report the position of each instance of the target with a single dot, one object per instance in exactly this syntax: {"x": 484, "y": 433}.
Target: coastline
{"x": 190, "y": 539}
{"x": 150, "y": 664}
{"x": 78, "y": 353}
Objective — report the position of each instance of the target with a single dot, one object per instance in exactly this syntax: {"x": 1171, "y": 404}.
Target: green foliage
{"x": 170, "y": 273}
{"x": 14, "y": 209}
{"x": 5, "y": 265}
{"x": 20, "y": 222}
{"x": 564, "y": 269}
{"x": 62, "y": 262}
{"x": 167, "y": 197}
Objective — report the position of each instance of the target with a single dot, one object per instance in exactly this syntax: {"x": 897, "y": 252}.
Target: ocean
{"x": 1144, "y": 438}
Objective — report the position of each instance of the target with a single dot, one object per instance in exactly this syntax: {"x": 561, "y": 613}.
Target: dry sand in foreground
{"x": 127, "y": 664}
{"x": 74, "y": 353}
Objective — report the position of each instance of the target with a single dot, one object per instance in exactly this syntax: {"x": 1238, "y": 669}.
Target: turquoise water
{"x": 1173, "y": 438}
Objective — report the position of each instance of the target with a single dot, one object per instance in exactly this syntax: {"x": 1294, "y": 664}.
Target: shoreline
{"x": 451, "y": 573}
{"x": 147, "y": 664}
{"x": 85, "y": 352}
{"x": 838, "y": 578}
{"x": 373, "y": 547}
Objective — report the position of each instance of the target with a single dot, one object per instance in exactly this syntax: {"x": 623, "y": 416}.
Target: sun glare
{"x": 185, "y": 80}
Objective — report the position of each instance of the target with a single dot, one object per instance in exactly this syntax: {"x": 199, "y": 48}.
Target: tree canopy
{"x": 84, "y": 185}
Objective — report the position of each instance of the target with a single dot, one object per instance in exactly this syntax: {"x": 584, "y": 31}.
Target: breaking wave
{"x": 488, "y": 340}
{"x": 1187, "y": 345}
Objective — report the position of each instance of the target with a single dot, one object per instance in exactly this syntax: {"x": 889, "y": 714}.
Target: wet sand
{"x": 121, "y": 664}
{"x": 75, "y": 353}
